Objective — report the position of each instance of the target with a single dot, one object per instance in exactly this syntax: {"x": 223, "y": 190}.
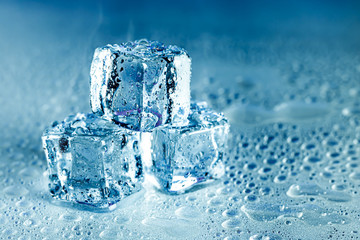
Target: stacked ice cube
{"x": 142, "y": 120}
{"x": 92, "y": 161}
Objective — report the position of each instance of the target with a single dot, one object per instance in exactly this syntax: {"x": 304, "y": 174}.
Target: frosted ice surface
{"x": 92, "y": 161}
{"x": 185, "y": 156}
{"x": 141, "y": 84}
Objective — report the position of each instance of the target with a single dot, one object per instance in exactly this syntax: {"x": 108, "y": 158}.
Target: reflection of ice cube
{"x": 141, "y": 84}
{"x": 186, "y": 155}
{"x": 92, "y": 161}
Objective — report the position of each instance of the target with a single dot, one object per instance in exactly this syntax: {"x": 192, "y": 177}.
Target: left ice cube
{"x": 92, "y": 161}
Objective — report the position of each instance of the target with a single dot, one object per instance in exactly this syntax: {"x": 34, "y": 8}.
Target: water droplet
{"x": 187, "y": 212}
{"x": 121, "y": 219}
{"x": 70, "y": 218}
{"x": 16, "y": 191}
{"x": 110, "y": 234}
{"x": 231, "y": 223}
{"x": 230, "y": 213}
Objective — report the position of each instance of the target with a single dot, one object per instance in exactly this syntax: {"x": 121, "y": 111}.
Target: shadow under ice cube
{"x": 92, "y": 161}
{"x": 141, "y": 85}
{"x": 181, "y": 157}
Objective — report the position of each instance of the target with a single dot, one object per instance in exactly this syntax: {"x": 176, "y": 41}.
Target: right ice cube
{"x": 184, "y": 156}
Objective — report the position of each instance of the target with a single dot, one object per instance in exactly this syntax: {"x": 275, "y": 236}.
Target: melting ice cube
{"x": 183, "y": 156}
{"x": 92, "y": 161}
{"x": 141, "y": 85}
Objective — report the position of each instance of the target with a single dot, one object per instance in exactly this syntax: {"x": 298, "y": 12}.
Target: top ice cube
{"x": 141, "y": 85}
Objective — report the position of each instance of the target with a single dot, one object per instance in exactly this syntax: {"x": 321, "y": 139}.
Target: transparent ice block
{"x": 141, "y": 85}
{"x": 92, "y": 161}
{"x": 184, "y": 156}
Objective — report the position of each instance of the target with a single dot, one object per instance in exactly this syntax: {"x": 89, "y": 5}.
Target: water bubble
{"x": 23, "y": 203}
{"x": 31, "y": 223}
{"x": 270, "y": 161}
{"x": 215, "y": 201}
{"x": 264, "y": 237}
{"x": 312, "y": 159}
{"x": 280, "y": 179}
{"x": 225, "y": 191}
{"x": 26, "y": 214}
{"x": 211, "y": 210}
{"x": 338, "y": 187}
{"x": 191, "y": 198}
{"x": 250, "y": 198}
{"x": 326, "y": 174}
{"x": 231, "y": 223}
{"x": 70, "y": 218}
{"x": 298, "y": 190}
{"x": 121, "y": 219}
{"x": 110, "y": 234}
{"x": 265, "y": 191}
{"x": 250, "y": 166}
{"x": 16, "y": 191}
{"x": 49, "y": 230}
{"x": 355, "y": 176}
{"x": 187, "y": 212}
{"x": 232, "y": 238}
{"x": 230, "y": 213}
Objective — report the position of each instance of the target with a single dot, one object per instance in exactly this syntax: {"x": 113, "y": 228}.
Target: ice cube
{"x": 92, "y": 161}
{"x": 141, "y": 85}
{"x": 183, "y": 156}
